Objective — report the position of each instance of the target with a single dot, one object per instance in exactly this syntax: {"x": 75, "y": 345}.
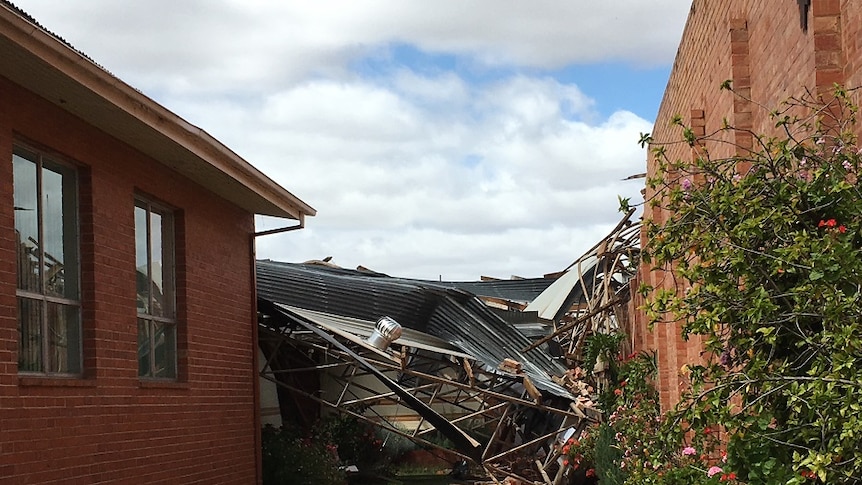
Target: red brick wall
{"x": 850, "y": 24}
{"x": 761, "y": 47}
{"x": 110, "y": 426}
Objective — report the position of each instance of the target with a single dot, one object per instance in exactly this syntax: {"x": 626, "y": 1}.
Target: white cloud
{"x": 413, "y": 173}
{"x": 215, "y": 45}
{"x": 516, "y": 185}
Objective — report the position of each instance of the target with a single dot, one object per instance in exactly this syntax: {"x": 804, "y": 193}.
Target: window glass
{"x": 141, "y": 260}
{"x": 157, "y": 266}
{"x": 164, "y": 352}
{"x": 59, "y": 231}
{"x": 29, "y": 335}
{"x": 144, "y": 350}
{"x": 27, "y": 224}
{"x": 64, "y": 338}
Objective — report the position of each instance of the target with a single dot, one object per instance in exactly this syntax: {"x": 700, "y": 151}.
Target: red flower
{"x": 618, "y": 392}
{"x": 830, "y": 223}
{"x": 707, "y": 430}
{"x": 727, "y": 476}
{"x": 591, "y": 472}
{"x": 842, "y": 229}
{"x": 807, "y": 474}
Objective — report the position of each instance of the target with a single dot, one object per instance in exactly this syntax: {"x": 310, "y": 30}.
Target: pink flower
{"x": 688, "y": 451}
{"x": 686, "y": 185}
{"x": 847, "y": 165}
{"x": 713, "y": 470}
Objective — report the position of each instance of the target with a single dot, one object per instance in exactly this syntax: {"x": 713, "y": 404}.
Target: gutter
{"x": 280, "y": 230}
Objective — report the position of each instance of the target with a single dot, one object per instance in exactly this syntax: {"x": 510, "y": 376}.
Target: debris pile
{"x": 461, "y": 369}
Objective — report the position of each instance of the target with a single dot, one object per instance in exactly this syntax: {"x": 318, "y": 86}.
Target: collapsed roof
{"x": 438, "y": 309}
{"x": 462, "y": 368}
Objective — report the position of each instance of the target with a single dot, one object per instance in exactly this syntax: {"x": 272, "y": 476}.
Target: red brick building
{"x": 127, "y": 305}
{"x": 770, "y": 49}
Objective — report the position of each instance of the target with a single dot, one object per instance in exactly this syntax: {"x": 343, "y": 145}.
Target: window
{"x": 154, "y": 260}
{"x": 46, "y": 229}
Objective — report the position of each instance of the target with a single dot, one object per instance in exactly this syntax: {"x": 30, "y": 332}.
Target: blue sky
{"x": 615, "y": 85}
{"x": 453, "y": 139}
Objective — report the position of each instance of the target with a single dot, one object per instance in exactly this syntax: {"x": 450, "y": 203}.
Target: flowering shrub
{"x": 766, "y": 247}
{"x": 633, "y": 446}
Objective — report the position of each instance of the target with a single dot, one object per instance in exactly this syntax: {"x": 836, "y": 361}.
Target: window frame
{"x": 71, "y": 239}
{"x": 147, "y": 318}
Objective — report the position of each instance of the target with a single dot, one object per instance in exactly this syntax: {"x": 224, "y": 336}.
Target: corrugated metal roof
{"x": 519, "y": 291}
{"x": 363, "y": 328}
{"x": 453, "y": 315}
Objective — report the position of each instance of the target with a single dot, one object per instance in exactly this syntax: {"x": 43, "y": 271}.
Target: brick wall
{"x": 761, "y": 46}
{"x": 110, "y": 426}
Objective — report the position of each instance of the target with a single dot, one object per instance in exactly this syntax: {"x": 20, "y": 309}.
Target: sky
{"x": 444, "y": 139}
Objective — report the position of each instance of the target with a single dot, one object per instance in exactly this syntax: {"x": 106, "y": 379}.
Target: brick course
{"x": 110, "y": 427}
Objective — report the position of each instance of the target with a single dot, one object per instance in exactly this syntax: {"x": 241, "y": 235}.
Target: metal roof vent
{"x": 386, "y": 331}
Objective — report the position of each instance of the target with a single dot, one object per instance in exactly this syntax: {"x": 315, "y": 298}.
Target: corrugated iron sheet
{"x": 363, "y": 328}
{"x": 453, "y": 315}
{"x": 519, "y": 291}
